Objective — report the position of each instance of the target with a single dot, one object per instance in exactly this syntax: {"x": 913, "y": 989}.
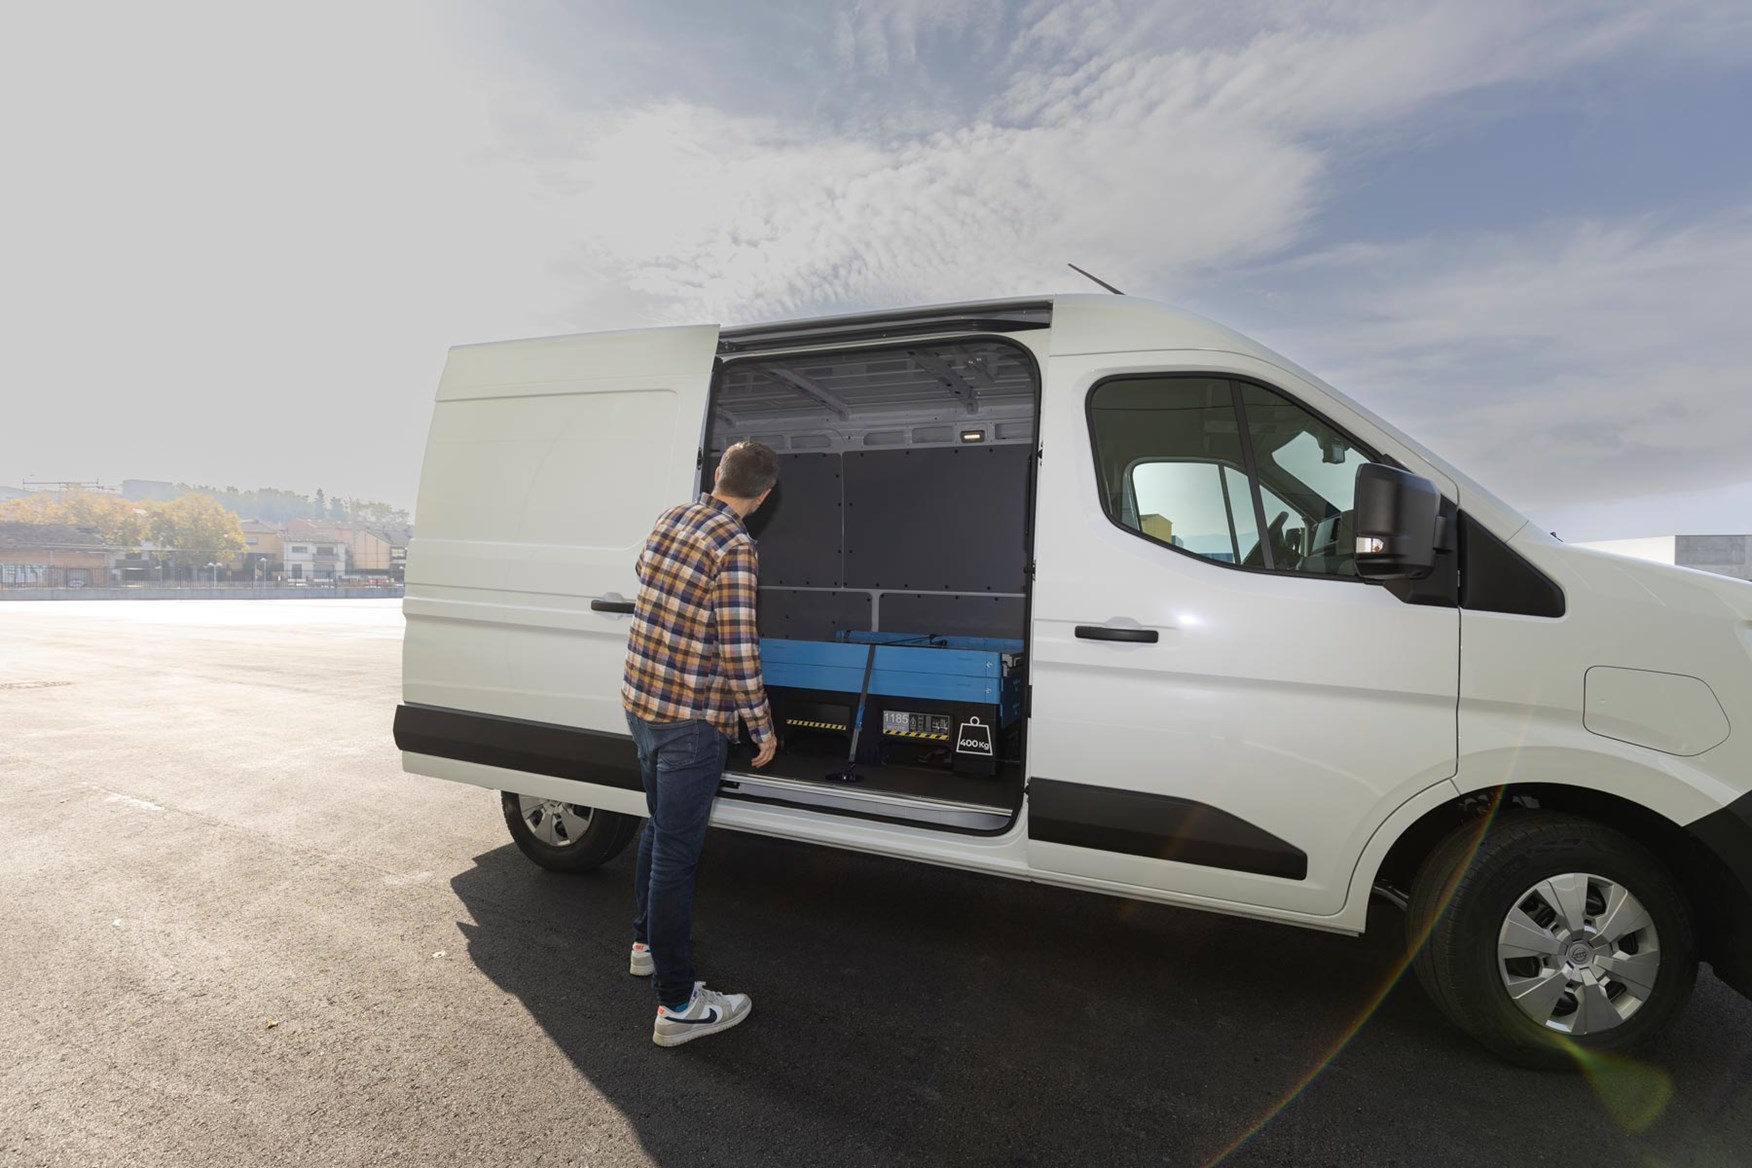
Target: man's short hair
{"x": 748, "y": 470}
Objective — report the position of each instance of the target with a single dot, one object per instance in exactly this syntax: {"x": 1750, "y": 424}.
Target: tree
{"x": 117, "y": 521}
{"x": 266, "y": 503}
{"x": 276, "y": 506}
{"x": 196, "y": 529}
{"x": 374, "y": 514}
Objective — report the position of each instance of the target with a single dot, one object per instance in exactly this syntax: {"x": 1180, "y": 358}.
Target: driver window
{"x": 1174, "y": 456}
{"x": 1172, "y": 465}
{"x": 1193, "y": 505}
{"x": 1308, "y": 475}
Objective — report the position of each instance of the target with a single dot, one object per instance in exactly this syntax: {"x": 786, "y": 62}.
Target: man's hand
{"x": 767, "y": 749}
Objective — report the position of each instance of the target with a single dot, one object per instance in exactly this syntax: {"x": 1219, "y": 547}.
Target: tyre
{"x": 1556, "y": 938}
{"x": 566, "y": 837}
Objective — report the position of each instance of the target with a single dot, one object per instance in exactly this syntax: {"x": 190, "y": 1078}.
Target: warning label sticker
{"x": 974, "y": 737}
{"x": 912, "y": 725}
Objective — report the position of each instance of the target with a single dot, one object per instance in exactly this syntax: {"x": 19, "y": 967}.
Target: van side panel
{"x": 1525, "y": 699}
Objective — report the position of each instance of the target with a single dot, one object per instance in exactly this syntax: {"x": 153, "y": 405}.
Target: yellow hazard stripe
{"x": 814, "y": 725}
{"x": 917, "y": 734}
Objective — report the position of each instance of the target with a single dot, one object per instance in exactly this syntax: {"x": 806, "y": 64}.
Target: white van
{"x": 1092, "y": 591}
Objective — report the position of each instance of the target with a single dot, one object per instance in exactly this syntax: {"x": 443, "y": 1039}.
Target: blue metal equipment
{"x": 960, "y": 693}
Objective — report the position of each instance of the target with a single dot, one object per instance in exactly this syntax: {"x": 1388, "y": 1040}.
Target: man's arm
{"x": 733, "y": 601}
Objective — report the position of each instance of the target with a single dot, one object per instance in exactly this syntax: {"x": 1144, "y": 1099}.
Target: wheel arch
{"x": 1720, "y": 905}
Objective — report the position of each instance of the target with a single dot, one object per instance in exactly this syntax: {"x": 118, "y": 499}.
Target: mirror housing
{"x": 1397, "y": 523}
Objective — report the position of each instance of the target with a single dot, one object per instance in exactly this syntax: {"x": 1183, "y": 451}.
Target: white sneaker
{"x": 644, "y": 965}
{"x": 707, "y": 1012}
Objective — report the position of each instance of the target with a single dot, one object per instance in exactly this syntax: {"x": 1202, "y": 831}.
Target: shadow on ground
{"x": 907, "y": 1014}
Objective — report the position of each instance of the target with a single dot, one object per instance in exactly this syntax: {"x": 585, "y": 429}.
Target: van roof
{"x": 999, "y": 316}
{"x": 1104, "y": 322}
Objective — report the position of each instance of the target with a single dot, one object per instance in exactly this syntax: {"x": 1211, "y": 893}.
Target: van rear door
{"x": 546, "y": 464}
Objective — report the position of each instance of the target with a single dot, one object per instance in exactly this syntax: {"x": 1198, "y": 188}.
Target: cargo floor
{"x": 997, "y": 792}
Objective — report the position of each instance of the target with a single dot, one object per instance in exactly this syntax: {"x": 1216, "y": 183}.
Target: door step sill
{"x": 847, "y": 797}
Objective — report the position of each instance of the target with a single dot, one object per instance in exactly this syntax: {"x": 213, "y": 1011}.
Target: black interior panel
{"x": 949, "y": 519}
{"x": 798, "y": 528}
{"x": 810, "y": 616}
{"x": 953, "y": 616}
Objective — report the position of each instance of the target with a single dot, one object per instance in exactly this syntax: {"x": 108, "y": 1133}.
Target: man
{"x": 693, "y": 669}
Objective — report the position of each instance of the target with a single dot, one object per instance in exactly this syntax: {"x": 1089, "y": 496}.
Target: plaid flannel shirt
{"x": 693, "y": 650}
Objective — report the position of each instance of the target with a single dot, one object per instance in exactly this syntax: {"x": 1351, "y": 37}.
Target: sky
{"x": 236, "y": 240}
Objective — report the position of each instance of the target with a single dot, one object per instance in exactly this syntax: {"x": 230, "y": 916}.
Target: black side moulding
{"x": 1161, "y": 827}
{"x": 539, "y": 748}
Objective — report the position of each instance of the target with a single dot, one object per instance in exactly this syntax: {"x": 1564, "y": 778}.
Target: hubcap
{"x": 1578, "y": 953}
{"x": 559, "y": 825}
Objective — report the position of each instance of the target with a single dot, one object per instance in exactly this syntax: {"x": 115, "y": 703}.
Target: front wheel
{"x": 566, "y": 837}
{"x": 1557, "y": 937}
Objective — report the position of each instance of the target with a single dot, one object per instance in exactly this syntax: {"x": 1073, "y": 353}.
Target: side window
{"x": 1308, "y": 480}
{"x": 1204, "y": 464}
{"x": 1172, "y": 464}
{"x": 1203, "y": 507}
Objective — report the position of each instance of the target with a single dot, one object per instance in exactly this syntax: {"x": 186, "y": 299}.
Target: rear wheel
{"x": 566, "y": 837}
{"x": 1555, "y": 938}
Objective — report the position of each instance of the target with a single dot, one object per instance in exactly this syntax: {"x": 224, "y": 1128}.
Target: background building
{"x": 264, "y": 554}
{"x": 369, "y": 551}
{"x": 53, "y": 555}
{"x": 138, "y": 489}
{"x": 381, "y": 551}
{"x": 399, "y": 538}
{"x": 315, "y": 551}
{"x": 1725, "y": 555}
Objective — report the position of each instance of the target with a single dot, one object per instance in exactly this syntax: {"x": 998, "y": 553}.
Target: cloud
{"x": 1151, "y": 143}
{"x": 1175, "y": 149}
{"x": 271, "y": 222}
{"x": 1560, "y": 363}
{"x": 874, "y": 38}
{"x": 735, "y": 219}
{"x": 238, "y": 240}
{"x": 1720, "y": 510}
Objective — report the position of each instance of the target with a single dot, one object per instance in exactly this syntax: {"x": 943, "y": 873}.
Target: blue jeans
{"x": 681, "y": 764}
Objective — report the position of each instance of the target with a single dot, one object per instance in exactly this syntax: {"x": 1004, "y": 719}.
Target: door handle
{"x": 611, "y": 602}
{"x": 1105, "y": 633}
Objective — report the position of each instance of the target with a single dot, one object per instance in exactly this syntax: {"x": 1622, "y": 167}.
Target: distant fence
{"x": 241, "y": 592}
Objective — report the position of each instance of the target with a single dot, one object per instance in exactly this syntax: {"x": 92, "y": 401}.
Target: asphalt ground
{"x": 234, "y": 932}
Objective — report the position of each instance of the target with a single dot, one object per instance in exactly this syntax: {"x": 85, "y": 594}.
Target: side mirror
{"x": 1397, "y": 515}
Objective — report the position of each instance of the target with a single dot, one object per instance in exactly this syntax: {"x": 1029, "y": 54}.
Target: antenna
{"x": 1095, "y": 278}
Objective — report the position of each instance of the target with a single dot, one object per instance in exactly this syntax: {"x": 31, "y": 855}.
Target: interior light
{"x": 973, "y": 435}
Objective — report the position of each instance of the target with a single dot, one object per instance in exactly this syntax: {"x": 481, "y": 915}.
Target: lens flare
{"x": 1634, "y": 1094}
